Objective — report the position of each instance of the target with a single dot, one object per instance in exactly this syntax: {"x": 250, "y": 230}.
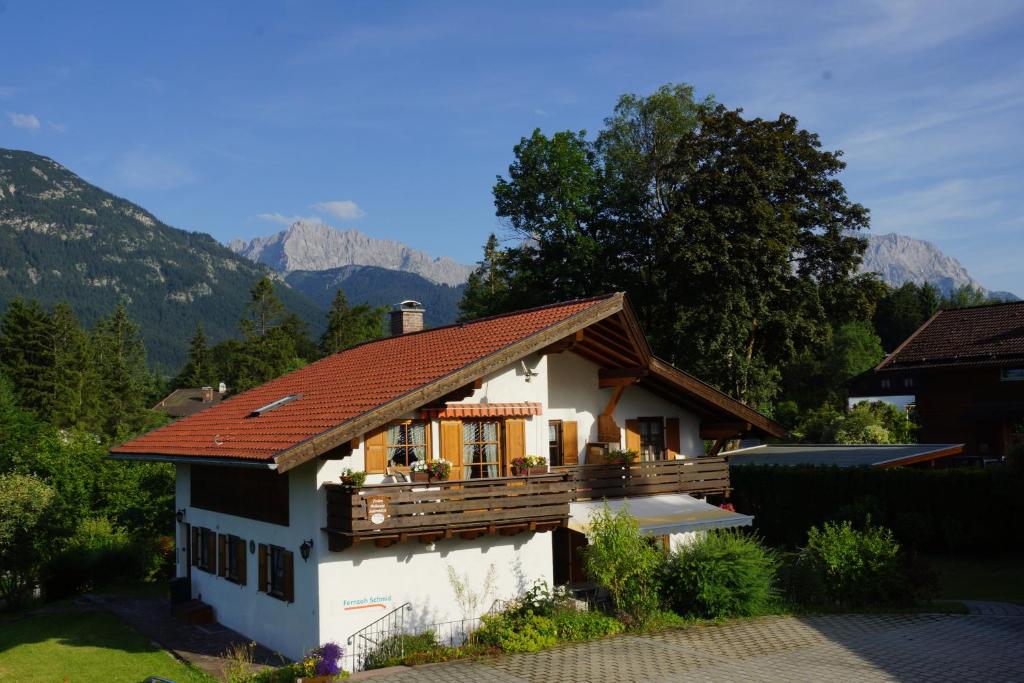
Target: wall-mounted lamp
{"x": 304, "y": 549}
{"x": 180, "y": 515}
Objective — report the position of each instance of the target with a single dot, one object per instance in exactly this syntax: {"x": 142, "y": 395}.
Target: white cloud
{"x": 143, "y": 169}
{"x": 57, "y": 127}
{"x": 26, "y": 121}
{"x": 344, "y": 209}
{"x": 286, "y": 220}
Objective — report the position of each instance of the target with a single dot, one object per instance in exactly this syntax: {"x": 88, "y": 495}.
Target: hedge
{"x": 934, "y": 510}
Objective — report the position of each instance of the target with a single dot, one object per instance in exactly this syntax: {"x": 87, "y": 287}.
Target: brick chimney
{"x": 207, "y": 394}
{"x": 406, "y": 317}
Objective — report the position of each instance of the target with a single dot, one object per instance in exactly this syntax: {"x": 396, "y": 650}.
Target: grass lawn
{"x": 84, "y": 647}
{"x": 980, "y": 578}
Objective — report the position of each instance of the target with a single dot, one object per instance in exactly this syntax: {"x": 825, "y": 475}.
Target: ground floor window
{"x": 555, "y": 442}
{"x": 277, "y": 572}
{"x": 232, "y": 558}
{"x": 204, "y": 549}
{"x": 481, "y": 448}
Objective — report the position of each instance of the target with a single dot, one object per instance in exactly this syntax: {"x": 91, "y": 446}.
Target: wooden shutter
{"x": 261, "y": 584}
{"x": 194, "y": 548}
{"x": 376, "y": 447}
{"x": 211, "y": 551}
{"x": 289, "y": 576}
{"x": 570, "y": 446}
{"x": 515, "y": 440}
{"x": 222, "y": 554}
{"x": 633, "y": 435}
{"x": 451, "y": 445}
{"x": 239, "y": 550}
{"x": 672, "y": 437}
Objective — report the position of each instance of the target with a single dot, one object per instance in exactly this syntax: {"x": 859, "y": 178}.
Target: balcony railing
{"x": 700, "y": 476}
{"x": 389, "y": 513}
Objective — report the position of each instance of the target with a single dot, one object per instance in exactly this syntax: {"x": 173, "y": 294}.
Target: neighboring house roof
{"x": 183, "y": 402}
{"x": 990, "y": 335}
{"x": 857, "y": 455}
{"x": 340, "y": 397}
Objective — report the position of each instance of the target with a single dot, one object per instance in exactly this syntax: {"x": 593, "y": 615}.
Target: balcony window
{"x": 407, "y": 443}
{"x": 481, "y": 448}
{"x": 652, "y": 438}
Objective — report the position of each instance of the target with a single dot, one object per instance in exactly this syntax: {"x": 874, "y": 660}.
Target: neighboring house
{"x": 288, "y": 555}
{"x": 967, "y": 367}
{"x": 857, "y": 455}
{"x": 896, "y": 388}
{"x": 183, "y": 402}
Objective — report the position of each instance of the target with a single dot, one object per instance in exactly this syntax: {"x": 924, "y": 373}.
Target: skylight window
{"x": 276, "y": 404}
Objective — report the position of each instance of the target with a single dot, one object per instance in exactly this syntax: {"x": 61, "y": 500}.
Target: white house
{"x": 285, "y": 553}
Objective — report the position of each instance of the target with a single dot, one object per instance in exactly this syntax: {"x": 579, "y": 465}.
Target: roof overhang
{"x": 671, "y": 513}
{"x": 195, "y": 460}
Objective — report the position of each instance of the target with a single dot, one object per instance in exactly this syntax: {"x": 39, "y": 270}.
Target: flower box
{"x": 420, "y": 476}
{"x": 530, "y": 464}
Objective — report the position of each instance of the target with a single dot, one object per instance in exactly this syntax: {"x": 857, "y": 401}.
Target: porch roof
{"x": 663, "y": 514}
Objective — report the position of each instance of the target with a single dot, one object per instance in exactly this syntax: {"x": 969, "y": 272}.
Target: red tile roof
{"x": 343, "y": 386}
{"x": 981, "y": 335}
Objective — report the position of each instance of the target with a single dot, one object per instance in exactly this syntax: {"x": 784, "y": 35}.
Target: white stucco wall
{"x": 288, "y": 628}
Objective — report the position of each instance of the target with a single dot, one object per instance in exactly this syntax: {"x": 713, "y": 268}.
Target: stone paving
{"x": 974, "y": 647}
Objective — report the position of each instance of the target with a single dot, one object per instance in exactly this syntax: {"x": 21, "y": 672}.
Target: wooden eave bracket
{"x": 563, "y": 345}
{"x": 620, "y": 377}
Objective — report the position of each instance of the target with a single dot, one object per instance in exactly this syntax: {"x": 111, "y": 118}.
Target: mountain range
{"x": 63, "y": 239}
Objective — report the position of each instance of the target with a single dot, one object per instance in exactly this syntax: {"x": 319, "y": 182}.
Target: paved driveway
{"x": 975, "y": 647}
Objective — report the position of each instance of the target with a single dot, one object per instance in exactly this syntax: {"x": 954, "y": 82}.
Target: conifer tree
{"x": 348, "y": 326}
{"x": 198, "y": 370}
{"x": 71, "y": 398}
{"x": 27, "y": 356}
{"x": 487, "y": 285}
{"x": 124, "y": 384}
{"x": 267, "y": 349}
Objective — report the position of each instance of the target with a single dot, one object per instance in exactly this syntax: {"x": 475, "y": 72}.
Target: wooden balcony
{"x": 697, "y": 476}
{"x": 389, "y": 513}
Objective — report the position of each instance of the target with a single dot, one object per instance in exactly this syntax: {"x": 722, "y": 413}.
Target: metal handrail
{"x": 369, "y": 639}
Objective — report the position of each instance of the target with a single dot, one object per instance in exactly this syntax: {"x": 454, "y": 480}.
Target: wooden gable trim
{"x": 312, "y": 447}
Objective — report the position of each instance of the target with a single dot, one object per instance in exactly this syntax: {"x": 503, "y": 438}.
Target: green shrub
{"x": 97, "y": 554}
{"x": 624, "y": 561}
{"x": 585, "y": 625}
{"x": 855, "y": 568}
{"x": 393, "y": 650}
{"x": 517, "y": 632}
{"x": 726, "y": 573}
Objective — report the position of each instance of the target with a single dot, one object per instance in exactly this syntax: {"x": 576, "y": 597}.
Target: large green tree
{"x": 199, "y": 370}
{"x": 733, "y": 236}
{"x": 350, "y": 325}
{"x": 124, "y": 384}
{"x": 902, "y": 310}
{"x": 267, "y": 348}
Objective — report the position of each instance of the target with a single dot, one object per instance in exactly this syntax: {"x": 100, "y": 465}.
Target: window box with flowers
{"x": 431, "y": 470}
{"x": 529, "y": 464}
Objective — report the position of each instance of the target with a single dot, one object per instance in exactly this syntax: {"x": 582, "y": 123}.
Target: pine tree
{"x": 264, "y": 311}
{"x": 69, "y": 348}
{"x": 125, "y": 386}
{"x": 348, "y": 326}
{"x": 198, "y": 370}
{"x": 267, "y": 349}
{"x": 487, "y": 285}
{"x": 27, "y": 355}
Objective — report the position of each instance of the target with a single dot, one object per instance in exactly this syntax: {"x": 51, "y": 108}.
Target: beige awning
{"x": 665, "y": 514}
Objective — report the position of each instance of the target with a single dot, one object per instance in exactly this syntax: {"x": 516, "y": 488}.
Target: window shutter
{"x": 195, "y": 546}
{"x": 515, "y": 440}
{"x": 222, "y": 555}
{"x": 240, "y": 553}
{"x": 261, "y": 585}
{"x": 570, "y": 446}
{"x": 633, "y": 435}
{"x": 289, "y": 576}
{"x": 672, "y": 437}
{"x": 211, "y": 551}
{"x": 376, "y": 450}
{"x": 451, "y": 445}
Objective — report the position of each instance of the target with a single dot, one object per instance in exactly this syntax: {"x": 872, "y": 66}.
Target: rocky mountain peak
{"x": 314, "y": 245}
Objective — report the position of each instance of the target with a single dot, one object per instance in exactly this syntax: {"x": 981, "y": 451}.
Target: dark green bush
{"x": 96, "y": 555}
{"x": 855, "y": 568}
{"x": 970, "y": 510}
{"x": 726, "y": 573}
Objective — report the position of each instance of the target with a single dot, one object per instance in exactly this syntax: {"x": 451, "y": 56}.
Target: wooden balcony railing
{"x": 389, "y": 513}
{"x": 700, "y": 476}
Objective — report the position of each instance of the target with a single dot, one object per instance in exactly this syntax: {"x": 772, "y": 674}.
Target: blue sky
{"x": 395, "y": 118}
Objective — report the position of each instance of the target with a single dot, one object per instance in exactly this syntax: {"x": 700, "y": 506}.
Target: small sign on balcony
{"x": 377, "y": 509}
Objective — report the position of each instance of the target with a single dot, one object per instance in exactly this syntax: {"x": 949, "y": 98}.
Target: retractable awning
{"x": 665, "y": 514}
